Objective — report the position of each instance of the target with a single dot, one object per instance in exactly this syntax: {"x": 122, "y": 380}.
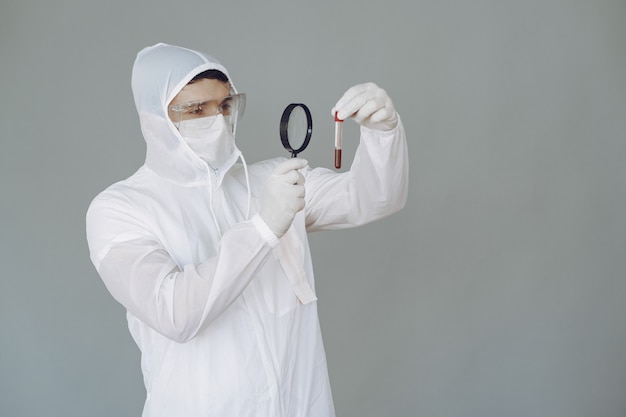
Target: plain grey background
{"x": 498, "y": 291}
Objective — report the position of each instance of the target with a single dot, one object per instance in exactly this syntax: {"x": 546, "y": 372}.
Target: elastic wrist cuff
{"x": 265, "y": 231}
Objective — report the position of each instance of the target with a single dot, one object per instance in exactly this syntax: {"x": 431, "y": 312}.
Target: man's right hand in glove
{"x": 283, "y": 196}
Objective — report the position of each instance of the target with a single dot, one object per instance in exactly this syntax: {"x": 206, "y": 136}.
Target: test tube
{"x": 338, "y": 140}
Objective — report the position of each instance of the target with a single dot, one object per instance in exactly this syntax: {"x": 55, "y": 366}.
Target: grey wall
{"x": 496, "y": 292}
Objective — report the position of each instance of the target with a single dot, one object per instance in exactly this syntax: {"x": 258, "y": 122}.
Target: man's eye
{"x": 195, "y": 110}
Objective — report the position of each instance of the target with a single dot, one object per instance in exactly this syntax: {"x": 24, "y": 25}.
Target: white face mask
{"x": 209, "y": 137}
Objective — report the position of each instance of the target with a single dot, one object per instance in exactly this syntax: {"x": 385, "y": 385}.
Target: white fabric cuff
{"x": 265, "y": 231}
{"x": 383, "y": 133}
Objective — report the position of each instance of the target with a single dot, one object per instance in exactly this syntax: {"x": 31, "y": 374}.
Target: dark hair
{"x": 211, "y": 74}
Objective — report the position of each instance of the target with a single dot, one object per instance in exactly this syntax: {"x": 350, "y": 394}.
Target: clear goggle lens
{"x": 231, "y": 107}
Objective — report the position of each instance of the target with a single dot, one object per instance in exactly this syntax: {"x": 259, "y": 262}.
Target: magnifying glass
{"x": 296, "y": 125}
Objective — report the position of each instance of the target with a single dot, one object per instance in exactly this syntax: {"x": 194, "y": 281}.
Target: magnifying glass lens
{"x": 297, "y": 127}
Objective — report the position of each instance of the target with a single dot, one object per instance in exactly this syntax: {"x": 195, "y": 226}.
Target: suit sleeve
{"x": 176, "y": 301}
{"x": 375, "y": 187}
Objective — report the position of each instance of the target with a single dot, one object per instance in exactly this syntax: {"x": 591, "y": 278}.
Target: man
{"x": 210, "y": 256}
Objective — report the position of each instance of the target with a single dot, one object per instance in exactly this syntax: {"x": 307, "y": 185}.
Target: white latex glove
{"x": 283, "y": 196}
{"x": 369, "y": 105}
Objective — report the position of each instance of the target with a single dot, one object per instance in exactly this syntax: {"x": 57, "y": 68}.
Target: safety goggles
{"x": 231, "y": 107}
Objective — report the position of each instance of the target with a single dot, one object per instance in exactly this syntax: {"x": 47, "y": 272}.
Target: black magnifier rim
{"x": 284, "y": 123}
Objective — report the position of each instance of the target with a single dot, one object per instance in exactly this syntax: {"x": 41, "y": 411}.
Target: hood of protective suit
{"x": 159, "y": 73}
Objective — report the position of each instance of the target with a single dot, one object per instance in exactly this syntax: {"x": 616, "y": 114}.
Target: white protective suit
{"x": 223, "y": 312}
